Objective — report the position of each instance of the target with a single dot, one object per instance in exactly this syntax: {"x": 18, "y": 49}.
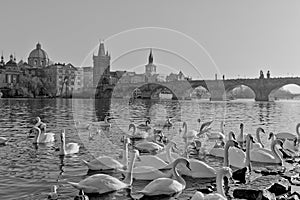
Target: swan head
{"x": 131, "y": 126}
{"x": 148, "y": 121}
{"x": 232, "y": 143}
{"x": 241, "y": 126}
{"x": 226, "y": 171}
{"x": 271, "y": 135}
{"x": 278, "y": 141}
{"x": 183, "y": 161}
{"x": 231, "y": 135}
{"x": 250, "y": 138}
{"x": 37, "y": 120}
{"x": 199, "y": 120}
{"x": 259, "y": 129}
{"x": 43, "y": 126}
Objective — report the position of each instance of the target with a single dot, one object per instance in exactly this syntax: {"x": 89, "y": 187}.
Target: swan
{"x": 166, "y": 186}
{"x": 188, "y": 135}
{"x": 81, "y": 126}
{"x": 43, "y": 127}
{"x": 291, "y": 146}
{"x": 69, "y": 148}
{"x": 240, "y": 137}
{"x": 81, "y": 196}
{"x": 3, "y": 140}
{"x": 217, "y": 150}
{"x": 38, "y": 122}
{"x": 148, "y": 173}
{"x": 258, "y": 155}
{"x": 220, "y": 195}
{"x": 103, "y": 183}
{"x": 152, "y": 161}
{"x": 145, "y": 126}
{"x": 108, "y": 163}
{"x": 103, "y": 124}
{"x": 195, "y": 149}
{"x": 289, "y": 136}
{"x": 53, "y": 194}
{"x": 42, "y": 138}
{"x": 198, "y": 169}
{"x": 217, "y": 135}
{"x": 148, "y": 147}
{"x": 205, "y": 127}
{"x": 258, "y": 144}
{"x": 137, "y": 134}
{"x": 237, "y": 157}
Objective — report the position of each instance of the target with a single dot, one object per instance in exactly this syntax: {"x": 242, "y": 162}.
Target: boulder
{"x": 264, "y": 187}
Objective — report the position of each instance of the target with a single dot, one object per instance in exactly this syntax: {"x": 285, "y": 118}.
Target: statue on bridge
{"x": 261, "y": 76}
{"x": 268, "y": 74}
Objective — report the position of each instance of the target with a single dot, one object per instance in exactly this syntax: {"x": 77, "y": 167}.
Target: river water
{"x": 27, "y": 171}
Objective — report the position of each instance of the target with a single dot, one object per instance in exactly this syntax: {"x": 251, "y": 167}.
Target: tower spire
{"x": 150, "y": 59}
{"x": 101, "y": 51}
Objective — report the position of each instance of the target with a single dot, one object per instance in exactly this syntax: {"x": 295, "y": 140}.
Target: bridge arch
{"x": 151, "y": 90}
{"x": 280, "y": 92}
{"x": 239, "y": 91}
{"x": 200, "y": 92}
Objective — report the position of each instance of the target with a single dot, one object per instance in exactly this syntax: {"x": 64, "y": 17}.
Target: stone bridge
{"x": 181, "y": 89}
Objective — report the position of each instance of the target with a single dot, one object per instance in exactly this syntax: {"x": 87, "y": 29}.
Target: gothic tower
{"x": 150, "y": 68}
{"x": 101, "y": 69}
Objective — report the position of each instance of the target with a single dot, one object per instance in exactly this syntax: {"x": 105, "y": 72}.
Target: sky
{"x": 200, "y": 37}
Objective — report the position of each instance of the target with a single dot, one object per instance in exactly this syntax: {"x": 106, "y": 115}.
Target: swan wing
{"x": 285, "y": 135}
{"x": 102, "y": 183}
{"x": 236, "y": 157}
{"x": 257, "y": 155}
{"x": 104, "y": 163}
{"x": 150, "y": 146}
{"x": 199, "y": 169}
{"x": 217, "y": 152}
{"x": 150, "y": 160}
{"x": 148, "y": 173}
{"x": 162, "y": 186}
{"x": 214, "y": 196}
{"x": 72, "y": 148}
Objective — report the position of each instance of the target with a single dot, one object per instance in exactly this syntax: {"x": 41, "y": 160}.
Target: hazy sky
{"x": 237, "y": 38}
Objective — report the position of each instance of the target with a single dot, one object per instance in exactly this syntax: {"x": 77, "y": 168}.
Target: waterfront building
{"x": 79, "y": 79}
{"x": 87, "y": 78}
{"x": 62, "y": 76}
{"x": 175, "y": 77}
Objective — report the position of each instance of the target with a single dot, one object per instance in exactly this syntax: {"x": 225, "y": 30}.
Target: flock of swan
{"x": 163, "y": 165}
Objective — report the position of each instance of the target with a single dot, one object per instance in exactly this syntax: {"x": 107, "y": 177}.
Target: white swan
{"x": 102, "y": 124}
{"x": 42, "y": 138}
{"x": 205, "y": 127}
{"x": 53, "y": 194}
{"x": 220, "y": 195}
{"x": 109, "y": 163}
{"x": 217, "y": 150}
{"x": 103, "y": 183}
{"x": 137, "y": 134}
{"x": 198, "y": 169}
{"x": 69, "y": 148}
{"x": 237, "y": 157}
{"x": 152, "y": 161}
{"x": 258, "y": 155}
{"x": 38, "y": 122}
{"x": 289, "y": 136}
{"x": 217, "y": 135}
{"x": 43, "y": 127}
{"x": 149, "y": 173}
{"x": 166, "y": 186}
{"x": 188, "y": 135}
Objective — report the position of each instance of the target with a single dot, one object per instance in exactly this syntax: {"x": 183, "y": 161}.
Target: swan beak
{"x": 188, "y": 166}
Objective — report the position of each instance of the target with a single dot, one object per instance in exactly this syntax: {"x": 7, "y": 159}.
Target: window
{"x": 35, "y": 62}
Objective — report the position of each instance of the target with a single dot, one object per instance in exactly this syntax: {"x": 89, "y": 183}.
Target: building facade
{"x": 87, "y": 78}
{"x": 38, "y": 57}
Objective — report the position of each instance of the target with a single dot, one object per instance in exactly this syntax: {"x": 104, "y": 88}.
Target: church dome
{"x": 38, "y": 52}
{"x": 38, "y": 57}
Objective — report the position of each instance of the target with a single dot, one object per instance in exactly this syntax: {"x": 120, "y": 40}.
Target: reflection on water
{"x": 28, "y": 171}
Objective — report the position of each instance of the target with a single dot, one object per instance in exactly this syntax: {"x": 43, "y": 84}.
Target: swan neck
{"x": 275, "y": 153}
{"x": 222, "y": 127}
{"x": 247, "y": 163}
{"x": 258, "y": 137}
{"x": 37, "y": 136}
{"x": 176, "y": 175}
{"x": 125, "y": 155}
{"x": 297, "y": 130}
{"x": 220, "y": 183}
{"x": 226, "y": 160}
{"x": 168, "y": 152}
{"x": 128, "y": 178}
{"x": 185, "y": 128}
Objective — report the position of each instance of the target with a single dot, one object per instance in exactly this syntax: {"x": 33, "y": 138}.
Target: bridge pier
{"x": 261, "y": 95}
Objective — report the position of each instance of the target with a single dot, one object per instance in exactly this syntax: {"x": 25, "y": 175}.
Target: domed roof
{"x": 11, "y": 62}
{"x": 38, "y": 52}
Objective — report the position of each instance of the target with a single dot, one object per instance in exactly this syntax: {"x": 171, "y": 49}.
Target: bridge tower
{"x": 101, "y": 71}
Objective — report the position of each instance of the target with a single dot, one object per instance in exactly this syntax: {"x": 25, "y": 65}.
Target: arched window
{"x": 35, "y": 62}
